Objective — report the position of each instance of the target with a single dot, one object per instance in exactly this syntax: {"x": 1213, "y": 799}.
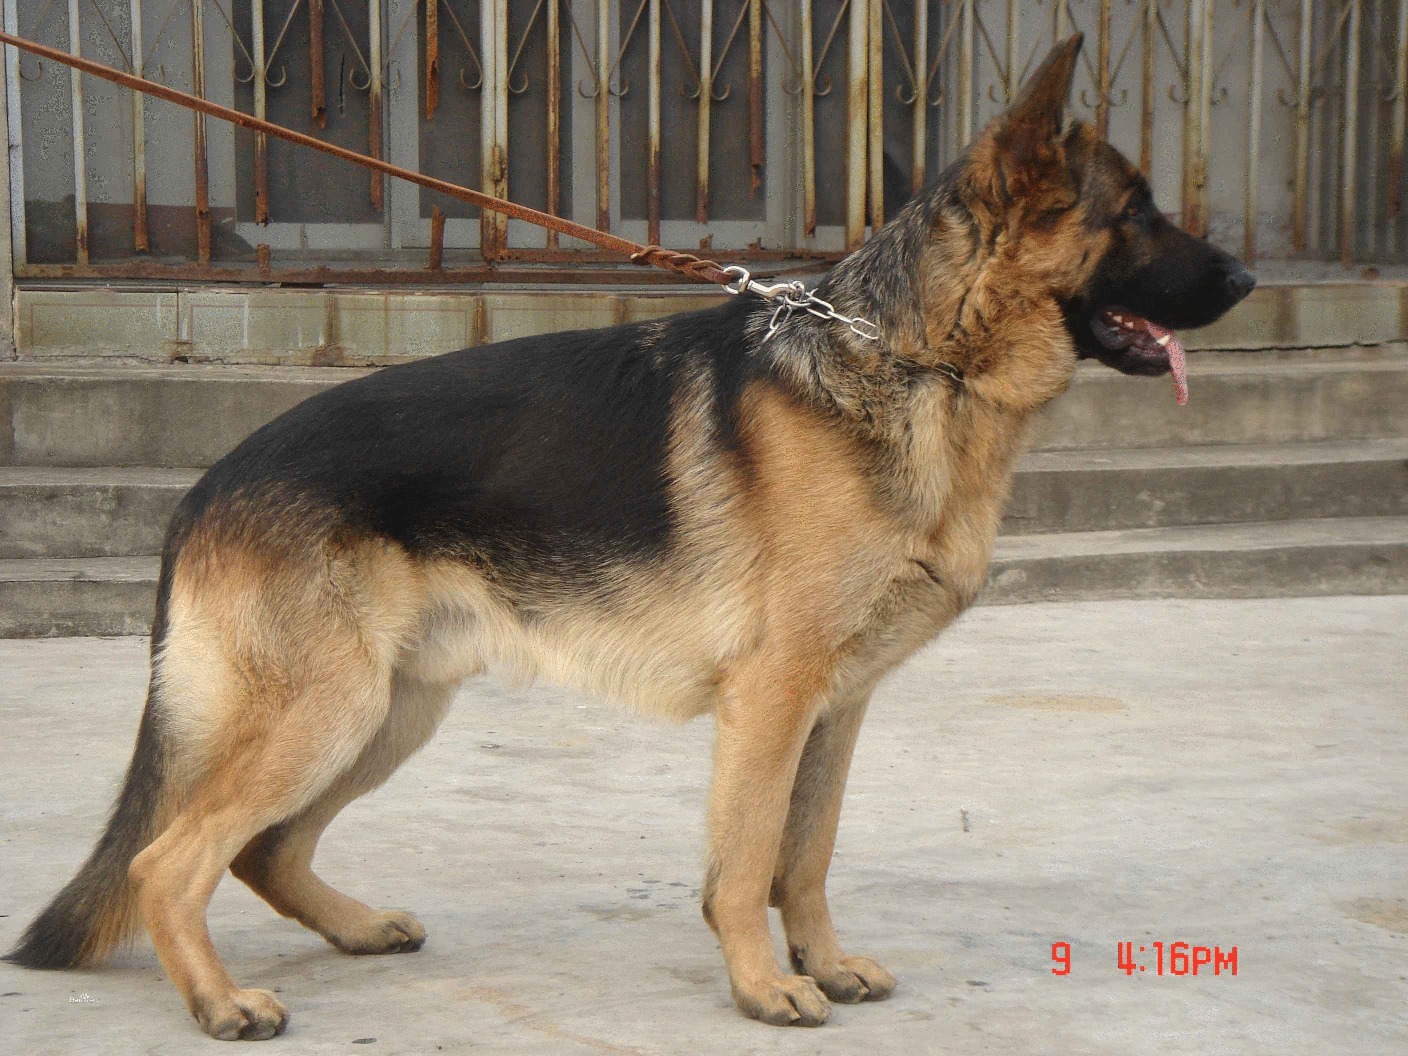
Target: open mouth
{"x": 1141, "y": 347}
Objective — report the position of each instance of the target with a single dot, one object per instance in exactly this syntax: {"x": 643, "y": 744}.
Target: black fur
{"x": 541, "y": 453}
{"x": 1154, "y": 268}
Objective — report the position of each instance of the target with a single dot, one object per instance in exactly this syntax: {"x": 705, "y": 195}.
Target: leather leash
{"x": 682, "y": 263}
{"x": 788, "y": 296}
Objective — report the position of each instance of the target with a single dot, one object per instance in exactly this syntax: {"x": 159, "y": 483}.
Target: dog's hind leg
{"x": 799, "y": 882}
{"x": 271, "y": 742}
{"x": 277, "y": 864}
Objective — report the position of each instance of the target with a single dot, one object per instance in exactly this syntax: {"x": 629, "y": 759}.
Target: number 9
{"x": 1061, "y": 954}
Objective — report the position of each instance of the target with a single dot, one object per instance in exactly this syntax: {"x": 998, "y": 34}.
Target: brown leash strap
{"x": 682, "y": 263}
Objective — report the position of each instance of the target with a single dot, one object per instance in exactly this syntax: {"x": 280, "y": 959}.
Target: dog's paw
{"x": 854, "y": 979}
{"x": 242, "y": 1015}
{"x": 784, "y": 1001}
{"x": 390, "y": 931}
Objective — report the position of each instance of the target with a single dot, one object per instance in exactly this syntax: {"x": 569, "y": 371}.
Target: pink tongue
{"x": 1177, "y": 361}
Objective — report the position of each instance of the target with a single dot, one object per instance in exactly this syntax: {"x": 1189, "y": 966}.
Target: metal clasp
{"x": 791, "y": 296}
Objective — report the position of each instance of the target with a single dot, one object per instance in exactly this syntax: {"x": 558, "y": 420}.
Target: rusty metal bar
{"x": 1191, "y": 93}
{"x": 652, "y": 148}
{"x": 1399, "y": 117}
{"x": 493, "y": 23}
{"x": 565, "y": 266}
{"x": 808, "y": 121}
{"x": 554, "y": 115}
{"x": 80, "y": 151}
{"x": 261, "y": 111}
{"x": 13, "y": 185}
{"x": 374, "y": 100}
{"x": 140, "y": 236}
{"x": 1254, "y": 60}
{"x": 1102, "y": 71}
{"x": 262, "y": 261}
{"x": 1146, "y": 97}
{"x": 706, "y": 95}
{"x": 317, "y": 93}
{"x": 920, "y": 117}
{"x": 1348, "y": 201}
{"x": 674, "y": 261}
{"x": 875, "y": 78}
{"x": 752, "y": 252}
{"x": 1194, "y": 169}
{"x": 603, "y": 114}
{"x": 1369, "y": 162}
{"x": 1300, "y": 180}
{"x": 1013, "y": 72}
{"x": 965, "y": 75}
{"x": 755, "y": 93}
{"x": 1205, "y": 117}
{"x": 432, "y": 58}
{"x": 858, "y": 66}
{"x": 202, "y": 153}
{"x": 437, "y": 239}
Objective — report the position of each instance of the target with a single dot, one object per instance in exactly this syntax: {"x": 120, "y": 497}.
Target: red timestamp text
{"x": 1158, "y": 958}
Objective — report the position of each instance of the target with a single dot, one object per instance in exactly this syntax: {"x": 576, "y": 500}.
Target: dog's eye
{"x": 1134, "y": 210}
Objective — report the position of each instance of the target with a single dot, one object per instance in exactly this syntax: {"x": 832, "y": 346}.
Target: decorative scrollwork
{"x": 463, "y": 77}
{"x": 360, "y": 78}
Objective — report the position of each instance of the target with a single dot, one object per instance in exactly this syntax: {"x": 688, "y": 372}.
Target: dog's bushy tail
{"x": 96, "y": 912}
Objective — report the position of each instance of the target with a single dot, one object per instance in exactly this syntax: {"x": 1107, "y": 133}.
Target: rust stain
{"x": 261, "y": 179}
{"x": 652, "y": 149}
{"x": 554, "y": 118}
{"x": 141, "y": 239}
{"x": 437, "y": 239}
{"x": 317, "y": 91}
{"x": 374, "y": 146}
{"x": 432, "y": 57}
{"x": 755, "y": 93}
{"x": 480, "y": 322}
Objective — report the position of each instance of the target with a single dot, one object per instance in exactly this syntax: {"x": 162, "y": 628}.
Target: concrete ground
{"x": 1230, "y": 774}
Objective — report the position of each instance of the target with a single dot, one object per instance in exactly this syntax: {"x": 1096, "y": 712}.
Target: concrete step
{"x": 1093, "y": 490}
{"x": 123, "y": 511}
{"x": 1355, "y": 555}
{"x": 1351, "y": 555}
{"x": 62, "y": 597}
{"x": 190, "y": 415}
{"x": 1321, "y": 354}
{"x": 1235, "y": 400}
{"x": 87, "y": 512}
{"x": 141, "y": 415}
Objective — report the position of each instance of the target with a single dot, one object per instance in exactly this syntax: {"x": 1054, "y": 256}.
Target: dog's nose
{"x": 1240, "y": 281}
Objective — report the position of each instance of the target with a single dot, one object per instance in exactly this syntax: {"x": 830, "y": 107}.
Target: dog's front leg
{"x": 763, "y": 722}
{"x": 799, "y": 884}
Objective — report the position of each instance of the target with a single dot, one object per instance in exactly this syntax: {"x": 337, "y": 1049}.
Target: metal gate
{"x": 754, "y": 129}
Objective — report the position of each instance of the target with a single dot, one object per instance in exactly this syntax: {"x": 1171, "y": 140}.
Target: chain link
{"x": 794, "y": 296}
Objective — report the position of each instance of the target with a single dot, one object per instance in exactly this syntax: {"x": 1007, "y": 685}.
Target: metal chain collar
{"x": 792, "y": 296}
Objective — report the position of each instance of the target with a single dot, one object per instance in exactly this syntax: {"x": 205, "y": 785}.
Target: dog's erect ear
{"x": 1035, "y": 118}
{"x": 1016, "y": 151}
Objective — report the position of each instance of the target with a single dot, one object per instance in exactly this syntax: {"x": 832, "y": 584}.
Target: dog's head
{"x": 1072, "y": 219}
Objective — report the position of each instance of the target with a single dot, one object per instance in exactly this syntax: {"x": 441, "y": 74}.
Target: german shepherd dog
{"x": 679, "y": 515}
